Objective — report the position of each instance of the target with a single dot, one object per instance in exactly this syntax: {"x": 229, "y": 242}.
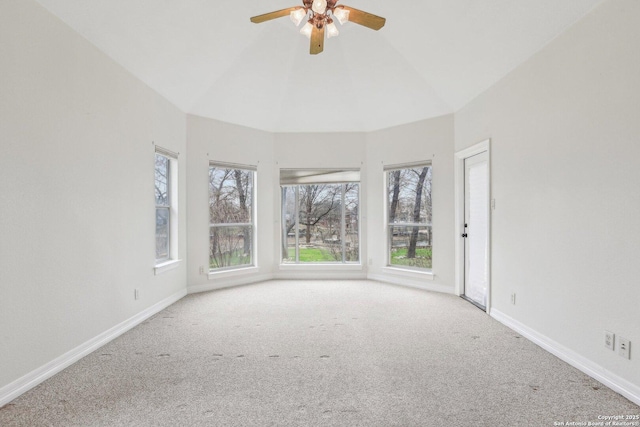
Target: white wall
{"x": 212, "y": 140}
{"x": 425, "y": 140}
{"x": 76, "y": 190}
{"x": 565, "y": 147}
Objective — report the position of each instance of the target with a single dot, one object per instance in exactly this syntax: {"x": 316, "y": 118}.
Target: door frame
{"x": 459, "y": 170}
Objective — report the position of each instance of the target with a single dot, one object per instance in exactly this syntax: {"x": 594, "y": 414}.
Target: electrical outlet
{"x": 202, "y": 269}
{"x": 624, "y": 348}
{"x": 493, "y": 204}
{"x": 370, "y": 261}
{"x": 513, "y": 298}
{"x": 609, "y": 339}
{"x": 136, "y": 294}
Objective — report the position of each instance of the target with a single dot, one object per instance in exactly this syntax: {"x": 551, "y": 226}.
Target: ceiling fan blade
{"x": 365, "y": 19}
{"x": 273, "y": 15}
{"x": 317, "y": 40}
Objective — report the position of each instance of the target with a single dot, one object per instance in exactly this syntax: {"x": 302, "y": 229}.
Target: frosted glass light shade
{"x": 307, "y": 29}
{"x": 298, "y": 15}
{"x": 319, "y": 6}
{"x": 341, "y": 15}
{"x": 332, "y": 30}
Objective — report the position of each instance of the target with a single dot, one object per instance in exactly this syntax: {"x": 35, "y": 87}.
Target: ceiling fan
{"x": 320, "y": 15}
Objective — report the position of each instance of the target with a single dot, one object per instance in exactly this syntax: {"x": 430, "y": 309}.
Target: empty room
{"x": 317, "y": 213}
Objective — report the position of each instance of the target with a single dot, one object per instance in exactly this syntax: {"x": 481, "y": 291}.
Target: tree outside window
{"x": 409, "y": 216}
{"x": 231, "y": 231}
{"x": 320, "y": 223}
{"x": 163, "y": 207}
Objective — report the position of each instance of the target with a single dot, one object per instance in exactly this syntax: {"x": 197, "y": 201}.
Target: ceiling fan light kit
{"x": 297, "y": 15}
{"x": 319, "y": 6}
{"x": 332, "y": 30}
{"x": 341, "y": 14}
{"x": 320, "y": 15}
{"x": 307, "y": 29}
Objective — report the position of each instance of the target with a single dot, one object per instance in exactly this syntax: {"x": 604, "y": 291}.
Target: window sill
{"x": 232, "y": 272}
{"x": 428, "y": 275}
{"x": 166, "y": 266}
{"x": 320, "y": 266}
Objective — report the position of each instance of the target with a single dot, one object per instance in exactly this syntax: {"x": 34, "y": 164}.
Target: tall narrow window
{"x": 166, "y": 205}
{"x": 320, "y": 216}
{"x": 231, "y": 211}
{"x": 409, "y": 215}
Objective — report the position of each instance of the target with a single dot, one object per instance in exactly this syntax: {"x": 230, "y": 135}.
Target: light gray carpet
{"x": 326, "y": 353}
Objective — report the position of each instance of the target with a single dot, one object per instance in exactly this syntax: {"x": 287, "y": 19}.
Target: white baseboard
{"x": 320, "y": 275}
{"x": 229, "y": 282}
{"x": 412, "y": 283}
{"x": 37, "y": 376}
{"x": 597, "y": 372}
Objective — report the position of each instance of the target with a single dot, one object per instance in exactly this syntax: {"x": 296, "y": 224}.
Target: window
{"x": 166, "y": 205}
{"x": 409, "y": 215}
{"x": 231, "y": 211}
{"x": 320, "y": 216}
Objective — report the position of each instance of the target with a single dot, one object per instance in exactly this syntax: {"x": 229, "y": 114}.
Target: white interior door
{"x": 476, "y": 228}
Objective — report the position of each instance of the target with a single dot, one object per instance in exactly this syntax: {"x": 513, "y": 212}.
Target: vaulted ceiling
{"x": 431, "y": 58}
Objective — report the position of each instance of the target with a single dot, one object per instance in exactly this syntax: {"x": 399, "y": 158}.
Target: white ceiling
{"x": 431, "y": 58}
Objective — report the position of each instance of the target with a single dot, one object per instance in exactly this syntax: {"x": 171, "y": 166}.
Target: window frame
{"x": 171, "y": 207}
{"x": 253, "y": 211}
{"x": 389, "y": 226}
